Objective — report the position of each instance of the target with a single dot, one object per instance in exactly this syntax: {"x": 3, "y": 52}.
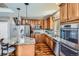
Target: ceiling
{"x": 34, "y": 10}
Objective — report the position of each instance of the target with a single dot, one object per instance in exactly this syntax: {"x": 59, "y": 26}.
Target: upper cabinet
{"x": 73, "y": 11}
{"x": 50, "y": 22}
{"x": 63, "y": 12}
{"x": 69, "y": 12}
{"x": 47, "y": 23}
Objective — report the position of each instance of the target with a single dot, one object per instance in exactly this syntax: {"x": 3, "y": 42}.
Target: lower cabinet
{"x": 52, "y": 45}
{"x": 44, "y": 38}
{"x": 25, "y": 50}
{"x": 49, "y": 41}
{"x": 38, "y": 37}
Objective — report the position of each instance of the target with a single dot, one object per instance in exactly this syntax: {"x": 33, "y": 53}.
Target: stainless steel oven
{"x": 70, "y": 35}
{"x": 67, "y": 50}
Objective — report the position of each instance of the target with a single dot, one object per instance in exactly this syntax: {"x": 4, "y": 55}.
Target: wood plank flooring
{"x": 42, "y": 49}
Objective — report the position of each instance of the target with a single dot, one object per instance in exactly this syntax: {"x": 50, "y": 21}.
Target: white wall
{"x": 4, "y": 30}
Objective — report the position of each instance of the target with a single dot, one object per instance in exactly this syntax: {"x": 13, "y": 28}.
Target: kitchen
{"x": 39, "y": 29}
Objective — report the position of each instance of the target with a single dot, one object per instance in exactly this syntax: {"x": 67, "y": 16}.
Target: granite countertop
{"x": 57, "y": 38}
{"x": 26, "y": 40}
{"x": 21, "y": 41}
{"x": 54, "y": 37}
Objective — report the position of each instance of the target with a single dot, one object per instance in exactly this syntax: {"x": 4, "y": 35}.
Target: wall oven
{"x": 70, "y": 35}
{"x": 68, "y": 51}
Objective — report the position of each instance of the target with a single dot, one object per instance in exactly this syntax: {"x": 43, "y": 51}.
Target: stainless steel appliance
{"x": 70, "y": 36}
{"x": 67, "y": 50}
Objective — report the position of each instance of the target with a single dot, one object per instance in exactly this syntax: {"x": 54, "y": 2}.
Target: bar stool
{"x": 7, "y": 49}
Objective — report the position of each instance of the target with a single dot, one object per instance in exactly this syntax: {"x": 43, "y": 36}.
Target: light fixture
{"x": 26, "y": 4}
{"x": 18, "y": 12}
{"x": 19, "y": 20}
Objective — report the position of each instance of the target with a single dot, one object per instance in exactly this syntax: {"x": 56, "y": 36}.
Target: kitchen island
{"x": 26, "y": 48}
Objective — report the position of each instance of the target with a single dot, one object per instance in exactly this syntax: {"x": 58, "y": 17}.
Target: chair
{"x": 7, "y": 49}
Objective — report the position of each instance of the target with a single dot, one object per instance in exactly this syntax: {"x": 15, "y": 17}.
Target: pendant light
{"x": 19, "y": 20}
{"x": 26, "y": 4}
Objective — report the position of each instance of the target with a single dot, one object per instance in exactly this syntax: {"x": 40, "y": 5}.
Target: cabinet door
{"x": 49, "y": 42}
{"x": 45, "y": 24}
{"x": 46, "y": 40}
{"x": 73, "y": 11}
{"x": 32, "y": 35}
{"x": 19, "y": 50}
{"x": 42, "y": 38}
{"x": 25, "y": 50}
{"x": 28, "y": 50}
{"x": 38, "y": 38}
{"x": 63, "y": 12}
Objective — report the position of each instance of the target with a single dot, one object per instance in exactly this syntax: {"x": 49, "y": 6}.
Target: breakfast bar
{"x": 26, "y": 48}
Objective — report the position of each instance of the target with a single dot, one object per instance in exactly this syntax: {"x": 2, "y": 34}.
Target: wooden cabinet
{"x": 69, "y": 12}
{"x": 63, "y": 12}
{"x": 38, "y": 37}
{"x": 50, "y": 22}
{"x": 44, "y": 38}
{"x": 25, "y": 50}
{"x": 73, "y": 11}
{"x": 32, "y": 35}
{"x": 52, "y": 44}
{"x": 49, "y": 42}
{"x": 45, "y": 24}
{"x": 34, "y": 22}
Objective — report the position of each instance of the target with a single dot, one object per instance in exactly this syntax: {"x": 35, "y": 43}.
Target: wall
{"x": 4, "y": 27}
{"x": 7, "y": 29}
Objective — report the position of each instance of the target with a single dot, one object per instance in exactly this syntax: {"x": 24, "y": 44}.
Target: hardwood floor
{"x": 42, "y": 49}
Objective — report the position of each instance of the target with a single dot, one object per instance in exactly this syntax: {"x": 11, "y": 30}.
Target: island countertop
{"x": 22, "y": 41}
